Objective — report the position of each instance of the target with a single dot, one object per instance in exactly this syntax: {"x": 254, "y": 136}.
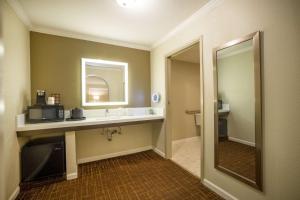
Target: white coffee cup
{"x": 51, "y": 101}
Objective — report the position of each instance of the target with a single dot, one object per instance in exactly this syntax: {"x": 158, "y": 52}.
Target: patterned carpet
{"x": 238, "y": 157}
{"x": 140, "y": 176}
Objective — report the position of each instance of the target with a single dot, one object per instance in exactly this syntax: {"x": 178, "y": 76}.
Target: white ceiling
{"x": 144, "y": 24}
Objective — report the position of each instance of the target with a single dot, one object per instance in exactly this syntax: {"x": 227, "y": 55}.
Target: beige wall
{"x": 2, "y": 181}
{"x": 16, "y": 89}
{"x": 236, "y": 88}
{"x": 185, "y": 91}
{"x": 230, "y": 19}
{"x": 93, "y": 143}
{"x": 56, "y": 67}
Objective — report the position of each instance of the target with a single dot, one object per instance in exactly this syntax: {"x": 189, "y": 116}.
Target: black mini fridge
{"x": 43, "y": 158}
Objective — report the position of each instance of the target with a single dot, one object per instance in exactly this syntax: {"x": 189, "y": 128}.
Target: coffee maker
{"x": 40, "y": 97}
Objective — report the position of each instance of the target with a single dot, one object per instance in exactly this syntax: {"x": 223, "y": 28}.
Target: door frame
{"x": 168, "y": 120}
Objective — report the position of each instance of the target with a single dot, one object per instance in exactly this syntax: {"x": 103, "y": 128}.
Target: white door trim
{"x": 168, "y": 120}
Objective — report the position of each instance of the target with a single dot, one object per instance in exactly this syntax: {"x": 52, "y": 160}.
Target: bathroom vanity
{"x": 103, "y": 83}
{"x": 99, "y": 118}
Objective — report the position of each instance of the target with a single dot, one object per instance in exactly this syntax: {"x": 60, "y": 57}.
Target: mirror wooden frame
{"x": 255, "y": 37}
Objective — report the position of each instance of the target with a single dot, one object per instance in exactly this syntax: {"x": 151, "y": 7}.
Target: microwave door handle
{"x": 43, "y": 114}
{"x": 57, "y": 113}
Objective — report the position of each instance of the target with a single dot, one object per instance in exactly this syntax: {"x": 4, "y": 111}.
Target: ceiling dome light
{"x": 126, "y": 3}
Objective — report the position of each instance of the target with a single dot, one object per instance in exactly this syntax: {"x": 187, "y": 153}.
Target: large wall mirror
{"x": 104, "y": 82}
{"x": 237, "y": 96}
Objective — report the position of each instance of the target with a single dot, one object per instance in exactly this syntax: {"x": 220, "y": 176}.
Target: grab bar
{"x": 192, "y": 112}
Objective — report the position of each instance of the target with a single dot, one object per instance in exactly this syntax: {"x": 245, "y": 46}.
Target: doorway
{"x": 184, "y": 128}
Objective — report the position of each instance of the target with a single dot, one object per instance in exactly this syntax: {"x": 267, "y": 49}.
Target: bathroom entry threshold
{"x": 186, "y": 154}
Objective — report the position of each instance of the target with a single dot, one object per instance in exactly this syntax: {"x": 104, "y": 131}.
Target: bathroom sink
{"x": 107, "y": 118}
{"x": 113, "y": 117}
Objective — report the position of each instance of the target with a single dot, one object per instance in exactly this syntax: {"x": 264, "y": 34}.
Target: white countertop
{"x": 94, "y": 117}
{"x": 88, "y": 122}
{"x": 225, "y": 109}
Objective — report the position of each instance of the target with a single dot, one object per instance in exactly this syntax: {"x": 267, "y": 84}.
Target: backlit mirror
{"x": 104, "y": 82}
{"x": 237, "y": 98}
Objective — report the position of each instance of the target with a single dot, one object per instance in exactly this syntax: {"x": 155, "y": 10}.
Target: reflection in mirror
{"x": 236, "y": 111}
{"x": 237, "y": 129}
{"x": 96, "y": 89}
{"x": 104, "y": 82}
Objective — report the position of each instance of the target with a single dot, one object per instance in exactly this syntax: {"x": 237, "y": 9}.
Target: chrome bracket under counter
{"x": 94, "y": 119}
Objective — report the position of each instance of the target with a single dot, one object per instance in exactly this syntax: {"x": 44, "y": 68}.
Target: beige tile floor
{"x": 186, "y": 153}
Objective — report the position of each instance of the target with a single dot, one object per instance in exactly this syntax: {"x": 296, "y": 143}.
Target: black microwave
{"x": 45, "y": 113}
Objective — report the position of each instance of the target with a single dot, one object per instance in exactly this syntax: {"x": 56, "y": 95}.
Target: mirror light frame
{"x": 83, "y": 82}
{"x": 255, "y": 37}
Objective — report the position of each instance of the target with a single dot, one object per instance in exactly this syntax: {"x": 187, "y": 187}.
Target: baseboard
{"x": 14, "y": 195}
{"x": 190, "y": 139}
{"x": 112, "y": 155}
{"x": 72, "y": 176}
{"x": 241, "y": 141}
{"x": 218, "y": 190}
{"x": 159, "y": 152}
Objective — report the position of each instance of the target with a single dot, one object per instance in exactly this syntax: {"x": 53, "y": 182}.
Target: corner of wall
{"x": 16, "y": 62}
